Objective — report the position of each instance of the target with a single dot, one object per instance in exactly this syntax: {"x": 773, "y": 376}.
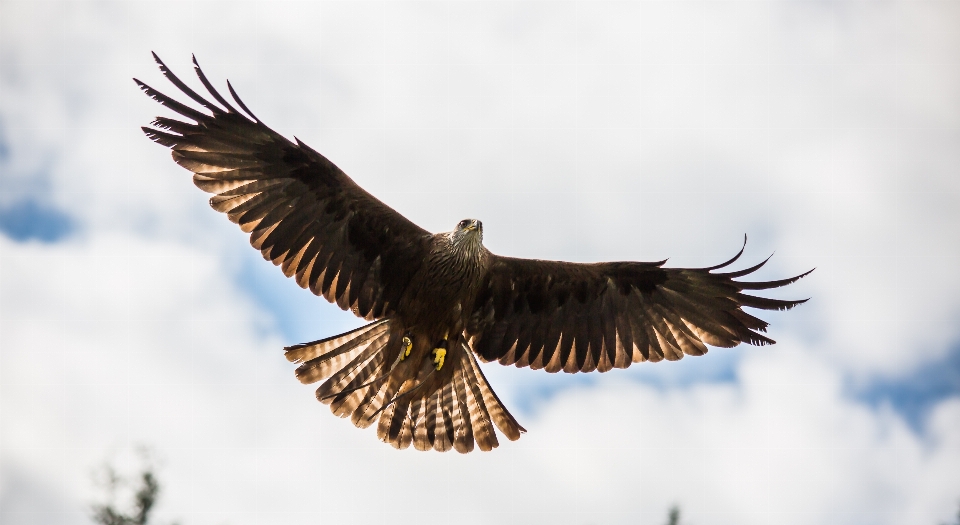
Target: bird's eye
{"x": 463, "y": 224}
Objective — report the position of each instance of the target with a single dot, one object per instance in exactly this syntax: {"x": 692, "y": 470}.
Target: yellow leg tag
{"x": 439, "y": 354}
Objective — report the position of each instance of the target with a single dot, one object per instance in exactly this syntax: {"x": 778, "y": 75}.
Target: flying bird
{"x": 437, "y": 302}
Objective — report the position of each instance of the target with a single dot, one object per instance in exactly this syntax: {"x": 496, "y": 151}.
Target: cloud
{"x": 119, "y": 341}
{"x": 782, "y": 445}
{"x": 579, "y": 132}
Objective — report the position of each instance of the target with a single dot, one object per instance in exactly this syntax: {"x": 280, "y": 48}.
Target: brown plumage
{"x": 438, "y": 290}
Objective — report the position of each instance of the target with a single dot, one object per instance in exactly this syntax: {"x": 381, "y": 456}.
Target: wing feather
{"x": 583, "y": 317}
{"x": 301, "y": 211}
{"x": 610, "y": 353}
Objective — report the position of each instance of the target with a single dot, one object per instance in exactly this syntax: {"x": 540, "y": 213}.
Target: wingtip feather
{"x": 209, "y": 87}
{"x": 732, "y": 260}
{"x": 240, "y": 103}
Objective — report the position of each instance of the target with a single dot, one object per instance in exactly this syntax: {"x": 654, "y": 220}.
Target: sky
{"x": 132, "y": 314}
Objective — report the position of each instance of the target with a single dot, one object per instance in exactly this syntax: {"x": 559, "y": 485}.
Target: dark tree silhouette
{"x": 673, "y": 516}
{"x": 146, "y": 491}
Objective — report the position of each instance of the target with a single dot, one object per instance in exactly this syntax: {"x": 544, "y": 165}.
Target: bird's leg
{"x": 406, "y": 346}
{"x": 440, "y": 352}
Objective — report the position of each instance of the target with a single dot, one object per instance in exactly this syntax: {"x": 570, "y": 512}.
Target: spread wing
{"x": 584, "y": 317}
{"x": 300, "y": 210}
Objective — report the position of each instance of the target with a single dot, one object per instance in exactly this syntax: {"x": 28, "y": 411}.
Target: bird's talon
{"x": 439, "y": 354}
{"x": 407, "y": 346}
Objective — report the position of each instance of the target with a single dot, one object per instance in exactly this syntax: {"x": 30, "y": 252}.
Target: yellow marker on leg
{"x": 440, "y": 352}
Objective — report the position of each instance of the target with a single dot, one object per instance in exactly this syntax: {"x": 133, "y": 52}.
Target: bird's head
{"x": 469, "y": 232}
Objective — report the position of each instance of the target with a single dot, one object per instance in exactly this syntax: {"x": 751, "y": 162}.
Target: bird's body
{"x": 451, "y": 277}
{"x": 435, "y": 301}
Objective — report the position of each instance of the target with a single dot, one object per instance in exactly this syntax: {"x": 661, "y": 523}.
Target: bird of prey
{"x": 436, "y": 302}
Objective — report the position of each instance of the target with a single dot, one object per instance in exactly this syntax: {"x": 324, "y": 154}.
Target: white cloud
{"x": 98, "y": 357}
{"x": 583, "y": 132}
{"x": 783, "y": 445}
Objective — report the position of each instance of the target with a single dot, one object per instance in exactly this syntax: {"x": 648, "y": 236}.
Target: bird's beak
{"x": 472, "y": 227}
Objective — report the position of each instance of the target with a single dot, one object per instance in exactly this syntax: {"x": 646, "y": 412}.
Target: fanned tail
{"x": 456, "y": 411}
{"x": 365, "y": 380}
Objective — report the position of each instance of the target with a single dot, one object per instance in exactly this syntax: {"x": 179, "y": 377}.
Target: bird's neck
{"x": 467, "y": 250}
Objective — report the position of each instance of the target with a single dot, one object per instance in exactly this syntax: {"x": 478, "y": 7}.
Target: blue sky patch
{"x": 297, "y": 314}
{"x": 4, "y": 147}
{"x": 28, "y": 220}
{"x": 914, "y": 395}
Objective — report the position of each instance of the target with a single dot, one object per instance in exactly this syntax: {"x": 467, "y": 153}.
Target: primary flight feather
{"x": 436, "y": 301}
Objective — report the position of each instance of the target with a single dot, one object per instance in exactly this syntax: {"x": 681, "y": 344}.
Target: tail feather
{"x": 362, "y": 416}
{"x": 501, "y": 417}
{"x": 380, "y": 392}
{"x": 347, "y": 402}
{"x": 430, "y": 420}
{"x": 485, "y": 436}
{"x": 324, "y": 347}
{"x": 336, "y": 382}
{"x": 412, "y": 403}
{"x": 447, "y": 434}
{"x": 392, "y": 421}
{"x": 361, "y": 379}
{"x": 374, "y": 396}
{"x": 405, "y": 438}
{"x": 464, "y": 438}
{"x": 439, "y": 421}
{"x": 388, "y": 419}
